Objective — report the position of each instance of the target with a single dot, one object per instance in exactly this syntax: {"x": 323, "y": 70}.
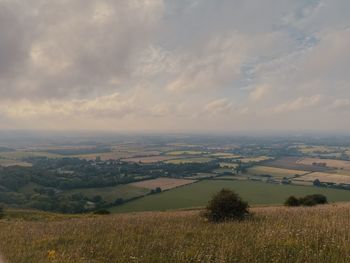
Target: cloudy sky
{"x": 169, "y": 65}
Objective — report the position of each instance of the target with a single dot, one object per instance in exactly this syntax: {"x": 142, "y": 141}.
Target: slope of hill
{"x": 273, "y": 234}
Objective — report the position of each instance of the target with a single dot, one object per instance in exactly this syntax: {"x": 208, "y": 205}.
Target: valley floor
{"x": 273, "y": 234}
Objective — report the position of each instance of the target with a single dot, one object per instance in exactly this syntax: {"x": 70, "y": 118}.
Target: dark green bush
{"x": 1, "y": 212}
{"x": 102, "y": 212}
{"x": 309, "y": 200}
{"x": 226, "y": 205}
{"x": 319, "y": 199}
{"x": 292, "y": 201}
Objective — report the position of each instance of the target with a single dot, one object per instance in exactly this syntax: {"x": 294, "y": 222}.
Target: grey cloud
{"x": 74, "y": 48}
{"x": 169, "y": 60}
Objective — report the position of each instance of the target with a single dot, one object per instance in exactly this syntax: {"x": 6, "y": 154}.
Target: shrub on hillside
{"x": 292, "y": 201}
{"x": 102, "y": 212}
{"x": 320, "y": 199}
{"x": 309, "y": 200}
{"x": 1, "y": 212}
{"x": 226, "y": 205}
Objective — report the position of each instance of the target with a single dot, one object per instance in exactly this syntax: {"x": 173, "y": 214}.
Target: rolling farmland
{"x": 198, "y": 194}
{"x": 326, "y": 178}
{"x": 337, "y": 164}
{"x": 274, "y": 172}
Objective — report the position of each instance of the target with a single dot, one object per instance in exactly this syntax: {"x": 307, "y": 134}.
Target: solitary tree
{"x": 226, "y": 205}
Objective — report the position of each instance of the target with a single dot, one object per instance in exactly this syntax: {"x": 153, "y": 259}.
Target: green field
{"x": 274, "y": 172}
{"x": 198, "y": 194}
{"x": 110, "y": 194}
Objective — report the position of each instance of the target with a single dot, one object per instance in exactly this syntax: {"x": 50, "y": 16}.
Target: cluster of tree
{"x": 309, "y": 200}
{"x": 55, "y": 176}
{"x": 188, "y": 169}
{"x": 318, "y": 183}
{"x": 156, "y": 190}
{"x": 51, "y": 200}
{"x": 78, "y": 151}
{"x": 2, "y": 214}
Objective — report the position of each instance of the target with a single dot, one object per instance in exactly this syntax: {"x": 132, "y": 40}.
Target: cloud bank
{"x": 194, "y": 65}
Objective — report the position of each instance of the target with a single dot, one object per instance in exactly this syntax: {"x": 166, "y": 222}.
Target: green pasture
{"x": 198, "y": 195}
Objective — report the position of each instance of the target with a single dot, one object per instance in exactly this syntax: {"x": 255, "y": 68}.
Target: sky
{"x": 168, "y": 65}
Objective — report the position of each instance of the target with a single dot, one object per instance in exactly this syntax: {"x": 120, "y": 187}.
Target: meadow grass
{"x": 275, "y": 234}
{"x": 198, "y": 194}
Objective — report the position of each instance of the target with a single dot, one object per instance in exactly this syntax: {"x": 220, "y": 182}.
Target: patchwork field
{"x": 228, "y": 165}
{"x": 189, "y": 160}
{"x": 163, "y": 183}
{"x": 198, "y": 194}
{"x": 116, "y": 155}
{"x": 337, "y": 164}
{"x": 148, "y": 159}
{"x": 274, "y": 172}
{"x": 18, "y": 155}
{"x": 317, "y": 149}
{"x": 293, "y": 164}
{"x": 255, "y": 159}
{"x": 225, "y": 155}
{"x": 326, "y": 178}
{"x": 186, "y": 153}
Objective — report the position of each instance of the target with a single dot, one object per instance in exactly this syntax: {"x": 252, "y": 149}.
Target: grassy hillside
{"x": 276, "y": 234}
{"x": 198, "y": 194}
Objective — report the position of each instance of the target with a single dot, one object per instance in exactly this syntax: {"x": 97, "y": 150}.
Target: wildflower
{"x": 51, "y": 254}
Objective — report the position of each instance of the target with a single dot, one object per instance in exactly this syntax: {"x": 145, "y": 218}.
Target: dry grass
{"x": 163, "y": 183}
{"x": 320, "y": 234}
{"x": 326, "y": 177}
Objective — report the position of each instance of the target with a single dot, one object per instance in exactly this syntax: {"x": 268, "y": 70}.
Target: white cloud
{"x": 218, "y": 107}
{"x": 259, "y": 92}
{"x": 299, "y": 104}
